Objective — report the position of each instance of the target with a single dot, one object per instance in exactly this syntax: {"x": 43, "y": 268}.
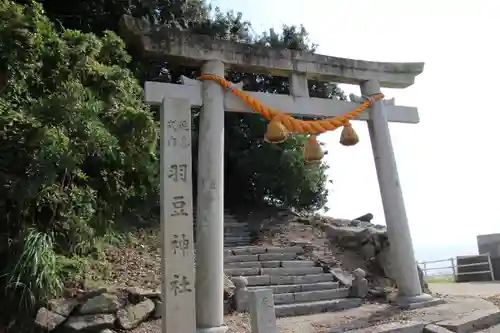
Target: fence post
{"x": 453, "y": 268}
{"x": 491, "y": 268}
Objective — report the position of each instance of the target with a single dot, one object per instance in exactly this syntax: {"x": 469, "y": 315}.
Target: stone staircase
{"x": 299, "y": 286}
{"x": 236, "y": 233}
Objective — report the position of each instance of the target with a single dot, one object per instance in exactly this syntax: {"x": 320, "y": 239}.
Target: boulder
{"x": 103, "y": 303}
{"x": 137, "y": 295}
{"x": 62, "y": 306}
{"x": 48, "y": 320}
{"x": 131, "y": 316}
{"x": 90, "y": 322}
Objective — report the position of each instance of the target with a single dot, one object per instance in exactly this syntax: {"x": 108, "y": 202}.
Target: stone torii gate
{"x": 215, "y": 57}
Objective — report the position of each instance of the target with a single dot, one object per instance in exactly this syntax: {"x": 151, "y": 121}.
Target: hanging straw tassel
{"x": 348, "y": 137}
{"x": 312, "y": 150}
{"x": 276, "y": 131}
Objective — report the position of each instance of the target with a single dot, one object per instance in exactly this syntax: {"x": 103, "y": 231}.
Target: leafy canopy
{"x": 78, "y": 143}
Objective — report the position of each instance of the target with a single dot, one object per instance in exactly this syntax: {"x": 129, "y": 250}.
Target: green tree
{"x": 256, "y": 172}
{"x": 77, "y": 146}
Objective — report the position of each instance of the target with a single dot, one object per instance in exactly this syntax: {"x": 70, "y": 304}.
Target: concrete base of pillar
{"x": 220, "y": 329}
{"x": 409, "y": 301}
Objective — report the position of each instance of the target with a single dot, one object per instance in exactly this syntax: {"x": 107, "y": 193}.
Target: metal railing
{"x": 454, "y": 266}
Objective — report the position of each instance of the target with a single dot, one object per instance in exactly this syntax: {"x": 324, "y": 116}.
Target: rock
{"x": 345, "y": 237}
{"x": 62, "y": 306}
{"x": 88, "y": 294}
{"x": 344, "y": 277}
{"x": 158, "y": 309}
{"x": 48, "y": 320}
{"x": 90, "y": 322}
{"x": 137, "y": 295}
{"x": 104, "y": 303}
{"x": 133, "y": 315}
{"x": 368, "y": 251}
{"x": 228, "y": 287}
{"x": 365, "y": 218}
{"x": 431, "y": 328}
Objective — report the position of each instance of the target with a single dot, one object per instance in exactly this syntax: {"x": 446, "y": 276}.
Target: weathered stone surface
{"x": 62, "y": 306}
{"x": 297, "y": 263}
{"x": 291, "y": 271}
{"x": 133, "y": 315}
{"x": 90, "y": 322}
{"x": 138, "y": 294}
{"x": 258, "y": 280}
{"x": 431, "y": 328}
{"x": 164, "y": 42}
{"x": 242, "y": 271}
{"x": 262, "y": 315}
{"x": 359, "y": 286}
{"x": 245, "y": 264}
{"x": 157, "y": 313}
{"x": 473, "y": 321}
{"x": 246, "y": 250}
{"x": 277, "y": 256}
{"x": 492, "y": 329}
{"x": 367, "y": 217}
{"x": 290, "y": 249}
{"x": 107, "y": 330}
{"x": 241, "y": 258}
{"x": 395, "y": 327}
{"x": 420, "y": 305}
{"x": 104, "y": 303}
{"x": 48, "y": 320}
{"x": 298, "y": 309}
{"x": 344, "y": 277}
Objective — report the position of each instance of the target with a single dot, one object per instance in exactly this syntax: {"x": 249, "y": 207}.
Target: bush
{"x": 77, "y": 146}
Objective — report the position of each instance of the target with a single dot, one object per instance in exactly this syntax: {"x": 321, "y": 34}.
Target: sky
{"x": 447, "y": 163}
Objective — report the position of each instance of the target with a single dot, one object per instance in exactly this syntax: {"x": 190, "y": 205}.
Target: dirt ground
{"x": 366, "y": 315}
{"x": 139, "y": 265}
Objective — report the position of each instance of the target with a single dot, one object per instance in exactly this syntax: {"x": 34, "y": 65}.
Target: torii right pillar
{"x": 398, "y": 229}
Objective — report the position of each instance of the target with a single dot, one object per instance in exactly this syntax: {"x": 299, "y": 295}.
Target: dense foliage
{"x": 78, "y": 145}
{"x": 77, "y": 142}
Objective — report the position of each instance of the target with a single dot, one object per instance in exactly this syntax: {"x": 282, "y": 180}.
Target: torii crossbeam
{"x": 216, "y": 56}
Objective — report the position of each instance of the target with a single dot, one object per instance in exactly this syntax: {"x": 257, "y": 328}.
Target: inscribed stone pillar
{"x": 177, "y": 218}
{"x": 262, "y": 312}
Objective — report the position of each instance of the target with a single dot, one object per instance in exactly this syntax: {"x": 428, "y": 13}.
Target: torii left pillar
{"x": 210, "y": 207}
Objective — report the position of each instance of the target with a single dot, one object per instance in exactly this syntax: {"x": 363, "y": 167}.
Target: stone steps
{"x": 295, "y": 288}
{"x": 233, "y": 239}
{"x": 236, "y": 233}
{"x": 270, "y": 264}
{"x": 300, "y": 309}
{"x": 308, "y": 296}
{"x": 280, "y": 271}
{"x": 299, "y": 286}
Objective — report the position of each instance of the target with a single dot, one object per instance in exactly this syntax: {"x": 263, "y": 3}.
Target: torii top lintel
{"x": 167, "y": 43}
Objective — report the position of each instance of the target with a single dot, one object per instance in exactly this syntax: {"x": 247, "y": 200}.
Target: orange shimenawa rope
{"x": 292, "y": 124}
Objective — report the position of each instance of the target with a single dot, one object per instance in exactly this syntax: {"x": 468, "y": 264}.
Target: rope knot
{"x": 369, "y": 99}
